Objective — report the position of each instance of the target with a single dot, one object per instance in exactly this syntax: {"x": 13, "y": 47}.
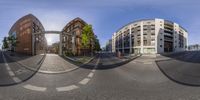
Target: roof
{"x": 76, "y": 19}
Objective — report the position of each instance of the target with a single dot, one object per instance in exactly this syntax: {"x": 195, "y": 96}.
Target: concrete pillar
{"x": 141, "y": 34}
{"x": 33, "y": 43}
{"x": 130, "y": 40}
{"x": 122, "y": 42}
{"x": 60, "y": 45}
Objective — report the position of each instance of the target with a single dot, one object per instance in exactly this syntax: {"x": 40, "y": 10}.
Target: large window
{"x": 14, "y": 34}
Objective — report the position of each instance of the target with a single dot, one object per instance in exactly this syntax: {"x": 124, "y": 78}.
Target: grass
{"x": 79, "y": 59}
{"x": 83, "y": 59}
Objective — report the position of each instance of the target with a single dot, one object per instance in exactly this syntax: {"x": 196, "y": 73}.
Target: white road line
{"x": 67, "y": 88}
{"x": 6, "y": 64}
{"x": 17, "y": 80}
{"x": 97, "y": 63}
{"x": 84, "y": 81}
{"x": 8, "y": 68}
{"x": 147, "y": 63}
{"x": 134, "y": 62}
{"x": 11, "y": 73}
{"x": 93, "y": 70}
{"x": 91, "y": 74}
{"x": 35, "y": 88}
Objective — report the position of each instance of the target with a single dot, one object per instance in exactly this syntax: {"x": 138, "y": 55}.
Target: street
{"x": 106, "y": 77}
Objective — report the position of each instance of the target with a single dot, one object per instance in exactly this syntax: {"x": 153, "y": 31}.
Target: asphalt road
{"x": 140, "y": 79}
{"x": 183, "y": 68}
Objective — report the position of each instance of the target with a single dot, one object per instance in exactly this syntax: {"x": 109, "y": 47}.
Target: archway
{"x": 34, "y": 40}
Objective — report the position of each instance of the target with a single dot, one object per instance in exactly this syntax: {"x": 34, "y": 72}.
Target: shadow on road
{"x": 108, "y": 61}
{"x": 15, "y": 70}
{"x": 183, "y": 68}
{"x": 187, "y": 56}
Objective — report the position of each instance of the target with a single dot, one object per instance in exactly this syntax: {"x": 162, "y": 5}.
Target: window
{"x": 64, "y": 39}
{"x": 14, "y": 34}
{"x": 145, "y": 42}
{"x": 152, "y": 42}
{"x": 138, "y": 42}
{"x": 161, "y": 46}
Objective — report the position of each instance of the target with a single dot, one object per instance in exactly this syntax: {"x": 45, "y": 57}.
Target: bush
{"x": 68, "y": 53}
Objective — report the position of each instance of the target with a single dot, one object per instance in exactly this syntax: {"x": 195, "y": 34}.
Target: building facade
{"x": 150, "y": 36}
{"x": 109, "y": 45}
{"x": 71, "y": 37}
{"x": 195, "y": 47}
{"x": 23, "y": 31}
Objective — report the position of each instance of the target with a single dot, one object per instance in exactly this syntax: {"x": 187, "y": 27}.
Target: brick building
{"x": 71, "y": 37}
{"x": 23, "y": 30}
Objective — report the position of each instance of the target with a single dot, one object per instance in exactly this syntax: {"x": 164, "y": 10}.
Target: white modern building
{"x": 150, "y": 36}
{"x": 195, "y": 47}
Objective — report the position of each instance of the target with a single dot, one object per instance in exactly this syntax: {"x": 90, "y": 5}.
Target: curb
{"x": 42, "y": 71}
{"x": 174, "y": 80}
{"x": 119, "y": 63}
{"x": 60, "y": 72}
{"x": 69, "y": 70}
{"x": 81, "y": 64}
{"x": 32, "y": 69}
{"x": 88, "y": 61}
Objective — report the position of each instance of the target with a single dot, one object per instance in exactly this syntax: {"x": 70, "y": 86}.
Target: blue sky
{"x": 106, "y": 16}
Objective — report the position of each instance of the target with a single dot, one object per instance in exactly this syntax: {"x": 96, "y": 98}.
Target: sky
{"x": 106, "y": 16}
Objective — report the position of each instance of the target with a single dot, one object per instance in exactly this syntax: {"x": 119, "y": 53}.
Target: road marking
{"x": 35, "y": 88}
{"x": 19, "y": 71}
{"x": 67, "y": 88}
{"x": 6, "y": 64}
{"x": 91, "y": 74}
{"x": 93, "y": 70}
{"x": 97, "y": 63}
{"x": 17, "y": 80}
{"x": 84, "y": 81}
{"x": 8, "y": 68}
{"x": 147, "y": 63}
{"x": 11, "y": 73}
{"x": 134, "y": 62}
{"x": 4, "y": 58}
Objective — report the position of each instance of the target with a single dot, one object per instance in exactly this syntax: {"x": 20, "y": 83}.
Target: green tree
{"x": 13, "y": 41}
{"x": 87, "y": 38}
{"x": 97, "y": 46}
{"x": 5, "y": 43}
{"x": 85, "y": 42}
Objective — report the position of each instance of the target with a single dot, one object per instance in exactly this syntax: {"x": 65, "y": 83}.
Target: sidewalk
{"x": 54, "y": 64}
{"x": 130, "y": 56}
{"x": 29, "y": 62}
{"x": 47, "y": 64}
